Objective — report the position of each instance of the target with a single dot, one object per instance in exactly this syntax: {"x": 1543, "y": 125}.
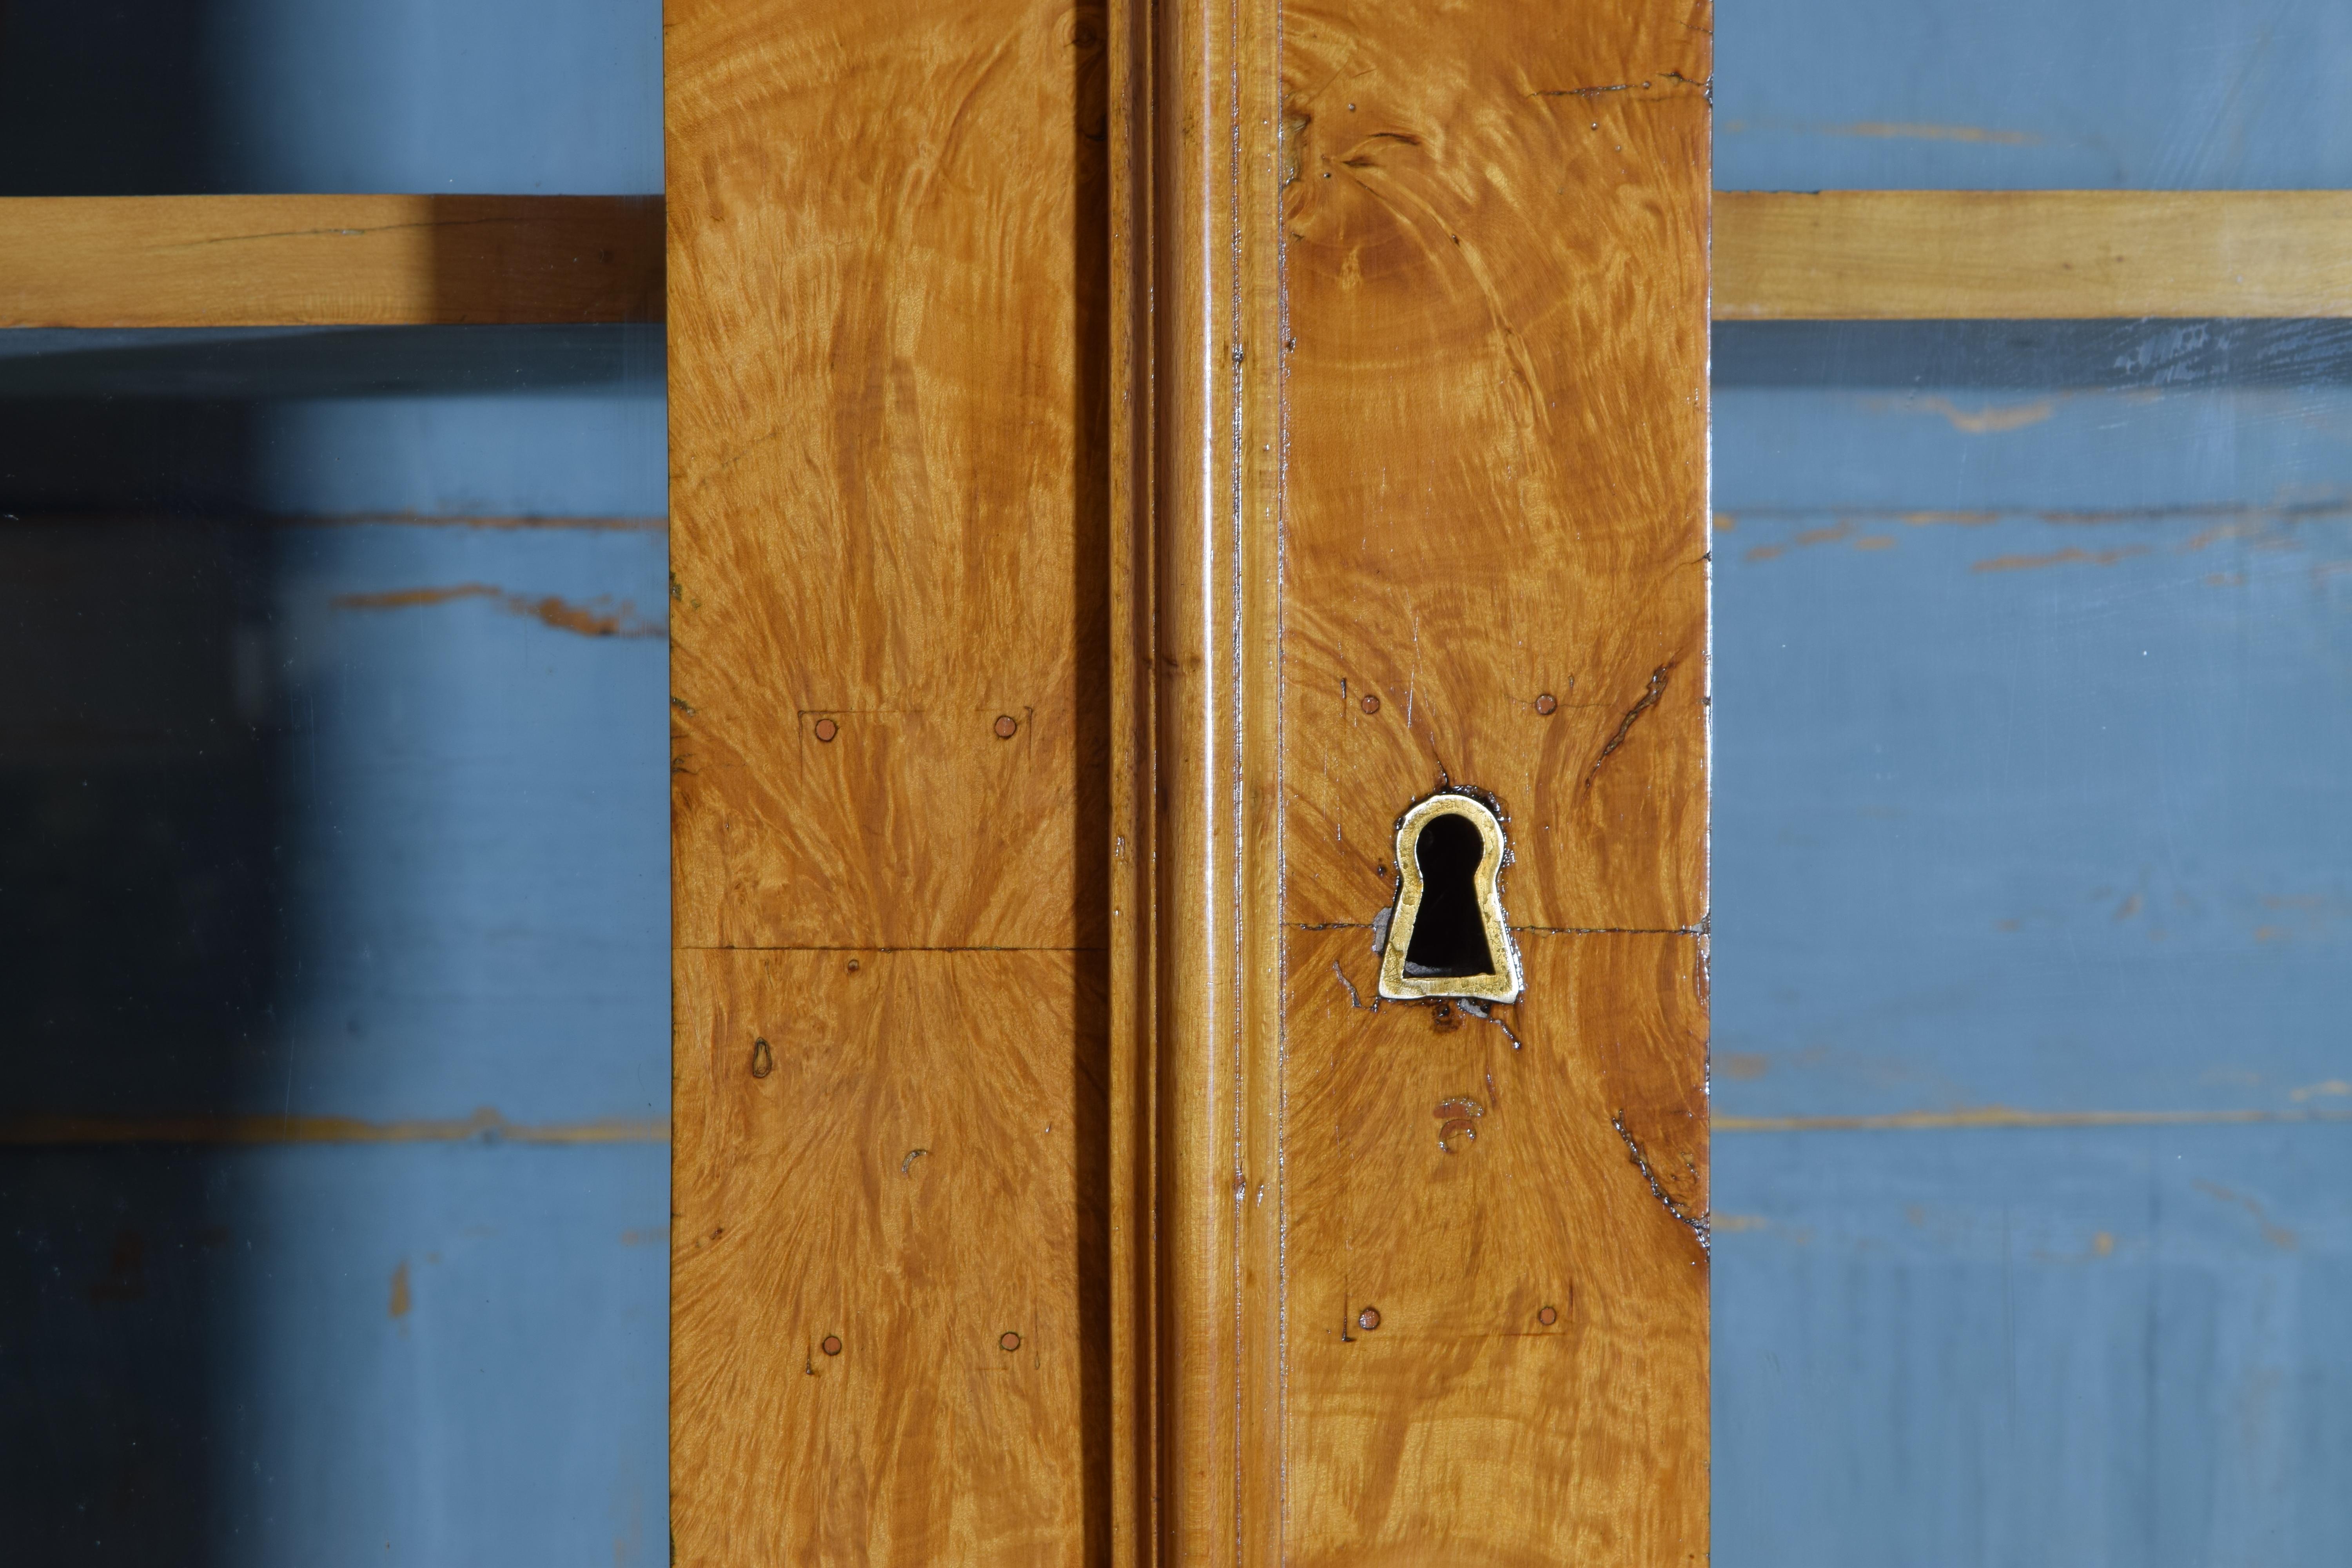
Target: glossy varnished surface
{"x": 1498, "y": 426}
{"x": 1533, "y": 1386}
{"x": 888, "y": 604}
{"x": 888, "y": 1342}
{"x": 886, "y": 447}
{"x": 1496, "y": 494}
{"x": 293, "y": 260}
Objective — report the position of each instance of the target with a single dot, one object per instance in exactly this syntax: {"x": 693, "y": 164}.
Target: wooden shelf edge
{"x": 328, "y": 260}
{"x": 402, "y": 260}
{"x": 1898, "y": 255}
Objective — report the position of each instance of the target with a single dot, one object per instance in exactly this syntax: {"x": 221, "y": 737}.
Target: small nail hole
{"x": 1371, "y": 704}
{"x": 1547, "y": 1317}
{"x": 831, "y": 1345}
{"x": 1008, "y": 1341}
{"x": 1545, "y": 704}
{"x": 1006, "y": 725}
{"x": 826, "y": 730}
{"x": 852, "y": 966}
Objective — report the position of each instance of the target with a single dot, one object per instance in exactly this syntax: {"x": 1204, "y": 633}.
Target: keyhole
{"x": 1449, "y": 938}
{"x": 1448, "y": 934}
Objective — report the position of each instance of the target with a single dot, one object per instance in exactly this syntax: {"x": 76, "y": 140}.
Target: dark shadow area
{"x": 143, "y": 744}
{"x": 136, "y": 767}
{"x": 109, "y": 1291}
{"x": 274, "y": 362}
{"x": 1090, "y": 481}
{"x": 2032, "y": 356}
{"x": 103, "y": 458}
{"x": 102, "y": 98}
{"x": 1449, "y": 932}
{"x": 138, "y": 824}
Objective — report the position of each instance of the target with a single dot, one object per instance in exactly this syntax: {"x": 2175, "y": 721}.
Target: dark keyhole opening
{"x": 1449, "y": 934}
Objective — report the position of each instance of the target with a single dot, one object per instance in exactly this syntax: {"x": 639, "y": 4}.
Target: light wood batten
{"x": 1900, "y": 255}
{"x": 394, "y": 261}
{"x": 330, "y": 260}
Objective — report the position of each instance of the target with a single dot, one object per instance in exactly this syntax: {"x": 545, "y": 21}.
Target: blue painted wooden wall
{"x": 2034, "y": 901}
{"x": 2033, "y": 934}
{"x": 321, "y": 796}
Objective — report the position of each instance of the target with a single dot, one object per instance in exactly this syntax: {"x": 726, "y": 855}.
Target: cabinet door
{"x": 1121, "y": 462}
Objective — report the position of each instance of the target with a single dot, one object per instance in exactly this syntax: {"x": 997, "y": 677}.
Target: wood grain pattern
{"x": 390, "y": 260}
{"x": 1432, "y": 449}
{"x": 2026, "y": 255}
{"x": 916, "y": 1176}
{"x": 354, "y": 261}
{"x": 1498, "y": 435}
{"x": 1449, "y": 402}
{"x": 1497, "y": 494}
{"x": 888, "y": 420}
{"x": 1429, "y": 452}
{"x": 886, "y": 450}
{"x": 1458, "y": 1177}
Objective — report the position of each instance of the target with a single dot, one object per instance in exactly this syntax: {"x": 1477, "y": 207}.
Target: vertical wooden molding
{"x": 1133, "y": 1062}
{"x": 1216, "y": 280}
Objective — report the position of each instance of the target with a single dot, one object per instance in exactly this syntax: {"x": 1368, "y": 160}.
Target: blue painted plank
{"x": 431, "y": 1354}
{"x": 549, "y": 453}
{"x": 2117, "y": 1347}
{"x": 286, "y": 852}
{"x": 514, "y": 1412}
{"x": 2029, "y": 94}
{"x": 444, "y": 803}
{"x": 556, "y": 96}
{"x": 2030, "y": 642}
{"x": 2029, "y": 659}
{"x": 2030, "y": 812}
{"x": 159, "y": 96}
{"x": 281, "y": 365}
{"x": 477, "y": 872}
{"x": 2052, "y": 449}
